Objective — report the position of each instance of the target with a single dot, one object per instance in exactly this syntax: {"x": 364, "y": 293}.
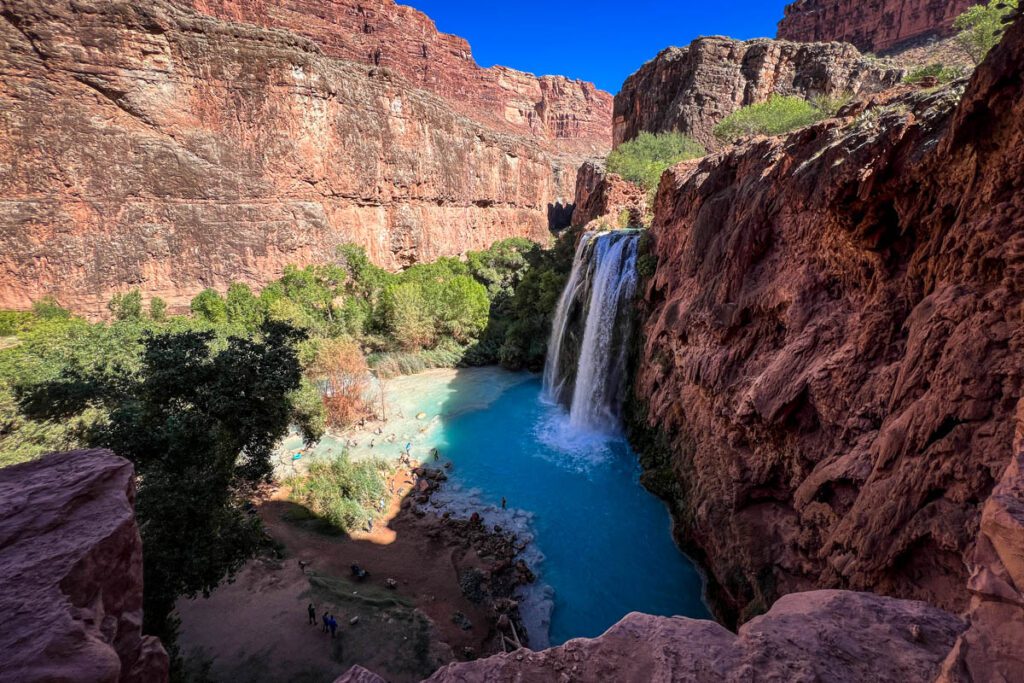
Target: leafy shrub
{"x": 157, "y": 309}
{"x": 940, "y": 72}
{"x": 126, "y": 306}
{"x": 780, "y": 114}
{"x": 645, "y": 158}
{"x": 47, "y": 308}
{"x": 344, "y": 493}
{"x": 209, "y": 306}
{"x": 981, "y": 27}
{"x": 11, "y": 322}
{"x": 829, "y": 105}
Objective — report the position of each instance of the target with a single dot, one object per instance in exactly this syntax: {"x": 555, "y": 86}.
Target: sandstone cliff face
{"x": 607, "y": 199}
{"x": 834, "y": 345}
{"x": 876, "y": 26}
{"x": 71, "y": 573}
{"x": 691, "y": 89}
{"x": 568, "y": 115}
{"x": 145, "y": 144}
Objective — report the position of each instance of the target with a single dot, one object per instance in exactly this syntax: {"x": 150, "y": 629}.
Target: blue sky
{"x": 598, "y": 41}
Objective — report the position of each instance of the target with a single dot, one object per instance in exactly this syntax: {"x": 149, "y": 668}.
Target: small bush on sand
{"x": 345, "y": 494}
{"x": 780, "y": 114}
{"x": 643, "y": 159}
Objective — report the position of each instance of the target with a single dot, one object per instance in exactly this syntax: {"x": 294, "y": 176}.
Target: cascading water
{"x": 588, "y": 373}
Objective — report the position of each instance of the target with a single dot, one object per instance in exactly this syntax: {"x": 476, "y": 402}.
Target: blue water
{"x": 602, "y": 545}
{"x": 606, "y": 542}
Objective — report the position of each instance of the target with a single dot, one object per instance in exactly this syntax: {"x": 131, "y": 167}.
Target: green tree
{"x": 200, "y": 428}
{"x": 645, "y": 158}
{"x": 126, "y": 306}
{"x": 157, "y": 309}
{"x": 981, "y": 27}
{"x": 461, "y": 307}
{"x": 780, "y": 114}
{"x": 243, "y": 308}
{"x": 208, "y": 305}
{"x": 48, "y": 308}
{"x": 406, "y": 315}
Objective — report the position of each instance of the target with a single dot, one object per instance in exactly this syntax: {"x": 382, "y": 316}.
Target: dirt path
{"x": 256, "y": 629}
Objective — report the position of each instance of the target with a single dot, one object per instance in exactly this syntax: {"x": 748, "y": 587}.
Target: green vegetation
{"x": 780, "y": 114}
{"x": 940, "y": 72}
{"x": 645, "y": 158}
{"x": 981, "y": 27}
{"x": 343, "y": 493}
{"x": 198, "y": 402}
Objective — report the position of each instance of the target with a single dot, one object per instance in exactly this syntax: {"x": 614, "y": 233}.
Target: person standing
{"x": 327, "y": 621}
{"x": 312, "y": 614}
{"x": 332, "y": 623}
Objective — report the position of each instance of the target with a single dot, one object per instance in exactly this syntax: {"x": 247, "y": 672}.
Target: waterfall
{"x": 586, "y": 366}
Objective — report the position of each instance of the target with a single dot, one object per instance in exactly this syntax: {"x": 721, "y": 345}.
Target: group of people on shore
{"x": 329, "y": 623}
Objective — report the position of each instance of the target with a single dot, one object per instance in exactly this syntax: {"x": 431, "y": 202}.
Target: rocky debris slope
{"x": 872, "y": 26}
{"x": 606, "y": 199}
{"x": 71, "y": 573}
{"x": 691, "y": 89}
{"x": 834, "y": 344}
{"x": 145, "y": 144}
{"x": 569, "y": 115}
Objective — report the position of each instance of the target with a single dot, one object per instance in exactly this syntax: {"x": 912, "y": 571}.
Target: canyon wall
{"x": 691, "y": 89}
{"x": 565, "y": 115}
{"x": 151, "y": 145}
{"x": 71, "y": 573}
{"x": 834, "y": 341}
{"x": 877, "y": 26}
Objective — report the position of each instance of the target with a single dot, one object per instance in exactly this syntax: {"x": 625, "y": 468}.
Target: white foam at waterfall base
{"x": 575, "y": 448}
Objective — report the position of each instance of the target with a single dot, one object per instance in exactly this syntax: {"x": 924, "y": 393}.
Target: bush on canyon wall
{"x": 981, "y": 27}
{"x": 940, "y": 73}
{"x": 646, "y": 157}
{"x": 780, "y": 114}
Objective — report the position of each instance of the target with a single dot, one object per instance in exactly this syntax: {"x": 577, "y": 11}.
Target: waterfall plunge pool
{"x": 602, "y": 544}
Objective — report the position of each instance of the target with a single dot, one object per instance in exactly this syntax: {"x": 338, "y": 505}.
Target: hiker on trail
{"x": 312, "y": 613}
{"x": 503, "y": 503}
{"x": 333, "y": 624}
{"x": 327, "y": 622}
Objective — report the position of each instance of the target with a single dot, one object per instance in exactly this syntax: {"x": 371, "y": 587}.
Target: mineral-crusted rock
{"x": 607, "y": 199}
{"x": 821, "y": 636}
{"x": 691, "y": 89}
{"x": 871, "y": 26}
{"x": 147, "y": 145}
{"x": 834, "y": 343}
{"x": 71, "y": 573}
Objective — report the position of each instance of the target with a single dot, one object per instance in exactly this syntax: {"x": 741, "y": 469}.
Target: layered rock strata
{"x": 149, "y": 145}
{"x": 71, "y": 573}
{"x": 872, "y": 26}
{"x": 691, "y": 89}
{"x": 834, "y": 343}
{"x": 566, "y": 115}
{"x": 606, "y": 199}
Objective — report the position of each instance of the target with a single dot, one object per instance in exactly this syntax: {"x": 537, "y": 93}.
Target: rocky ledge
{"x": 691, "y": 89}
{"x": 71, "y": 573}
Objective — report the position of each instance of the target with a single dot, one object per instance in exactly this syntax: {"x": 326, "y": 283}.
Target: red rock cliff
{"x": 835, "y": 343}
{"x": 574, "y": 115}
{"x": 146, "y": 144}
{"x": 875, "y": 26}
{"x": 692, "y": 89}
{"x": 71, "y": 573}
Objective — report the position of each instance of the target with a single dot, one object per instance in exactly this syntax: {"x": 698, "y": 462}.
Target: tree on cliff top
{"x": 981, "y": 27}
{"x": 643, "y": 159}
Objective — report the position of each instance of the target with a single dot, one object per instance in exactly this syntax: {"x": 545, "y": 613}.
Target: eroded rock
{"x": 71, "y": 573}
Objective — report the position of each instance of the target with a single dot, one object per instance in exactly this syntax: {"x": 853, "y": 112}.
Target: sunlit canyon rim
{"x": 812, "y": 355}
